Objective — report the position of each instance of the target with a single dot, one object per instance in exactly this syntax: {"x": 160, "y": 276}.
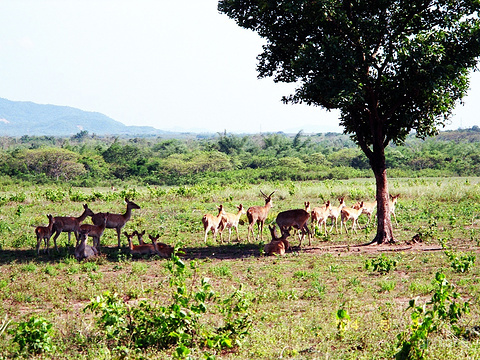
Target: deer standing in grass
{"x": 296, "y": 218}
{"x": 69, "y": 224}
{"x": 144, "y": 249}
{"x": 348, "y": 213}
{"x": 163, "y": 249}
{"x": 391, "y": 205}
{"x": 368, "y": 209}
{"x": 116, "y": 221}
{"x": 96, "y": 231}
{"x": 258, "y": 215}
{"x": 319, "y": 216}
{"x": 231, "y": 221}
{"x": 213, "y": 223}
{"x": 278, "y": 245}
{"x": 45, "y": 233}
{"x": 335, "y": 213}
{"x": 82, "y": 250}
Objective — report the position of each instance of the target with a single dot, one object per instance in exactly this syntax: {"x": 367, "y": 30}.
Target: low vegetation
{"x": 331, "y": 299}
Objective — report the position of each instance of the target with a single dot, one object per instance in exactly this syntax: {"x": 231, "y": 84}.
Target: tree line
{"x": 90, "y": 160}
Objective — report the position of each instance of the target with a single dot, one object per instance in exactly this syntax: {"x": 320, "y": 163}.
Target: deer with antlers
{"x": 45, "y": 233}
{"x": 335, "y": 213}
{"x": 116, "y": 221}
{"x": 69, "y": 224}
{"x": 348, "y": 213}
{"x": 82, "y": 250}
{"x": 258, "y": 215}
{"x": 96, "y": 231}
{"x": 319, "y": 216}
{"x": 144, "y": 249}
{"x": 278, "y": 245}
{"x": 296, "y": 218}
{"x": 213, "y": 223}
{"x": 231, "y": 221}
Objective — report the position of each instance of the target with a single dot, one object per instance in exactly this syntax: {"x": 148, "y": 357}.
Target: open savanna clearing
{"x": 294, "y": 302}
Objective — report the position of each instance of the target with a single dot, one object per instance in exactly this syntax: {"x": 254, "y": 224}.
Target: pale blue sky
{"x": 166, "y": 64}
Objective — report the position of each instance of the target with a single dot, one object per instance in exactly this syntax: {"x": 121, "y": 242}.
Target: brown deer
{"x": 391, "y": 205}
{"x": 258, "y": 215}
{"x": 231, "y": 221}
{"x": 368, "y": 209}
{"x": 82, "y": 250}
{"x": 296, "y": 218}
{"x": 144, "y": 249}
{"x": 335, "y": 213}
{"x": 350, "y": 213}
{"x": 45, "y": 233}
{"x": 140, "y": 236}
{"x": 163, "y": 250}
{"x": 213, "y": 223}
{"x": 96, "y": 231}
{"x": 116, "y": 221}
{"x": 278, "y": 245}
{"x": 69, "y": 224}
{"x": 319, "y": 216}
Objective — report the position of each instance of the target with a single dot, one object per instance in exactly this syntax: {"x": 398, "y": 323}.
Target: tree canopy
{"x": 389, "y": 66}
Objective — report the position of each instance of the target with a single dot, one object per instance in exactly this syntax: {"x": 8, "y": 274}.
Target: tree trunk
{"x": 384, "y": 223}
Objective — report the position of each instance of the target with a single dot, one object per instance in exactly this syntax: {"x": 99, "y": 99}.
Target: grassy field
{"x": 292, "y": 302}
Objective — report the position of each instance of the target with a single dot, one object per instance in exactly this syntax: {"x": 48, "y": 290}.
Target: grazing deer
{"x": 96, "y": 231}
{"x": 297, "y": 219}
{"x": 213, "y": 223}
{"x": 145, "y": 249}
{"x": 116, "y": 221}
{"x": 278, "y": 245}
{"x": 45, "y": 233}
{"x": 350, "y": 213}
{"x": 319, "y": 216}
{"x": 258, "y": 215}
{"x": 391, "y": 205}
{"x": 69, "y": 224}
{"x": 231, "y": 221}
{"x": 368, "y": 209}
{"x": 335, "y": 213}
{"x": 163, "y": 250}
{"x": 82, "y": 250}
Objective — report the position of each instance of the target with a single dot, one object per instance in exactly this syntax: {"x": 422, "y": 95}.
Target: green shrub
{"x": 382, "y": 264}
{"x": 34, "y": 336}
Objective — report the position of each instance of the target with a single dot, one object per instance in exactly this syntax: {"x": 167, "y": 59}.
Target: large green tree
{"x": 389, "y": 66}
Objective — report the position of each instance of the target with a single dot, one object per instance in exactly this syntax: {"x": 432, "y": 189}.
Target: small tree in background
{"x": 389, "y": 66}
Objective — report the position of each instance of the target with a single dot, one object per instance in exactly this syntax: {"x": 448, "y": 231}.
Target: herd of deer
{"x": 296, "y": 219}
{"x": 101, "y": 221}
{"x": 286, "y": 220}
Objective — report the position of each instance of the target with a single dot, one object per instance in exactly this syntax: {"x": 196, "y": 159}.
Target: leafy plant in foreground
{"x": 34, "y": 335}
{"x": 460, "y": 263}
{"x": 443, "y": 309}
{"x": 382, "y": 264}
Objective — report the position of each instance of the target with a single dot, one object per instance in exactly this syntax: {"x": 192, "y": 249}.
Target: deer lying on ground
{"x": 391, "y": 205}
{"x": 82, "y": 250}
{"x": 69, "y": 224}
{"x": 335, "y": 213}
{"x": 278, "y": 245}
{"x": 296, "y": 218}
{"x": 231, "y": 221}
{"x": 213, "y": 223}
{"x": 139, "y": 236}
{"x": 144, "y": 249}
{"x": 45, "y": 233}
{"x": 258, "y": 215}
{"x": 162, "y": 249}
{"x": 116, "y": 221}
{"x": 96, "y": 231}
{"x": 319, "y": 216}
{"x": 350, "y": 214}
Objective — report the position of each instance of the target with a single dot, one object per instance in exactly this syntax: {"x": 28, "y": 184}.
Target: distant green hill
{"x": 18, "y": 118}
